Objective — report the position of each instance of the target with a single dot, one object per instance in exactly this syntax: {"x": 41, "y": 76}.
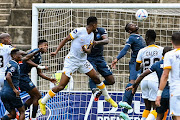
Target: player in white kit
{"x": 149, "y": 85}
{"x": 172, "y": 70}
{"x": 82, "y": 40}
{"x": 5, "y": 57}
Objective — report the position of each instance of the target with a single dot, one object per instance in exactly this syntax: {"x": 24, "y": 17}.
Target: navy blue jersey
{"x": 14, "y": 69}
{"x": 97, "y": 50}
{"x": 26, "y": 68}
{"x": 158, "y": 68}
{"x": 136, "y": 42}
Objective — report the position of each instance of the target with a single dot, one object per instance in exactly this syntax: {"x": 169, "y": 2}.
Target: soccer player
{"x": 25, "y": 82}
{"x": 10, "y": 92}
{"x": 97, "y": 60}
{"x": 172, "y": 69}
{"x": 135, "y": 42}
{"x": 158, "y": 68}
{"x": 82, "y": 40}
{"x": 149, "y": 86}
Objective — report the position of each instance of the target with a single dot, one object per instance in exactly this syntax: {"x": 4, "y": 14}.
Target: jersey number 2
{"x": 1, "y": 61}
{"x": 147, "y": 62}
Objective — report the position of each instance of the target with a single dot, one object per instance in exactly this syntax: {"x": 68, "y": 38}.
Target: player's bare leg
{"x": 92, "y": 74}
{"x": 35, "y": 95}
{"x": 22, "y": 113}
{"x": 153, "y": 114}
{"x": 51, "y": 93}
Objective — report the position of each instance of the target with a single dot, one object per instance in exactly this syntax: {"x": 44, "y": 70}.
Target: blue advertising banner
{"x": 73, "y": 106}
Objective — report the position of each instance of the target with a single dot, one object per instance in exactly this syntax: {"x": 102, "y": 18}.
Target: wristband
{"x": 41, "y": 67}
{"x": 159, "y": 93}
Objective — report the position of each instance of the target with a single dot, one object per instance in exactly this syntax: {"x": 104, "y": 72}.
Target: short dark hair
{"x": 91, "y": 20}
{"x": 41, "y": 41}
{"x": 176, "y": 38}
{"x": 13, "y": 52}
{"x": 166, "y": 49}
{"x": 151, "y": 34}
{"x": 127, "y": 27}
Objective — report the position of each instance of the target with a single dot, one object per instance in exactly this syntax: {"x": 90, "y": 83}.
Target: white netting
{"x": 56, "y": 24}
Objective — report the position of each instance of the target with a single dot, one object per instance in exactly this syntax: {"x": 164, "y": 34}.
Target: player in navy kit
{"x": 10, "y": 92}
{"x": 97, "y": 60}
{"x": 158, "y": 68}
{"x": 25, "y": 82}
{"x": 135, "y": 42}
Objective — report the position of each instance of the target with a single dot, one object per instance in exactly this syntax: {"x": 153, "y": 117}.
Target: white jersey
{"x": 5, "y": 56}
{"x": 172, "y": 61}
{"x": 148, "y": 56}
{"x": 80, "y": 37}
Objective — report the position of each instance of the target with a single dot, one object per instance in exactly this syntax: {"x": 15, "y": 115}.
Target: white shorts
{"x": 149, "y": 89}
{"x": 71, "y": 65}
{"x": 175, "y": 105}
{"x": 2, "y": 76}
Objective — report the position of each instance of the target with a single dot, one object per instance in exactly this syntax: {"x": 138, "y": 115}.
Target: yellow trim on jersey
{"x": 177, "y": 49}
{"x": 152, "y": 46}
{"x": 167, "y": 67}
{"x": 102, "y": 86}
{"x": 139, "y": 61}
{"x": 71, "y": 36}
{"x": 1, "y": 44}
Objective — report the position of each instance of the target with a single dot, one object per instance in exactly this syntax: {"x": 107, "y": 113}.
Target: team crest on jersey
{"x": 12, "y": 69}
{"x": 98, "y": 36}
{"x": 75, "y": 31}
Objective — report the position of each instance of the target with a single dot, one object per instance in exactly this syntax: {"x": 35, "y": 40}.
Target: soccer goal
{"x": 54, "y": 22}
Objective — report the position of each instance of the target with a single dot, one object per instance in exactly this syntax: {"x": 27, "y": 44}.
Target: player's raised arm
{"x": 45, "y": 77}
{"x": 121, "y": 54}
{"x": 29, "y": 56}
{"x": 62, "y": 43}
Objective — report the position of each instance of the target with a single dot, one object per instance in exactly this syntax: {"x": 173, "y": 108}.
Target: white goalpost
{"x": 54, "y": 21}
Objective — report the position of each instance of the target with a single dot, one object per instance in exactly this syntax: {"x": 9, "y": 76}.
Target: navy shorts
{"x": 164, "y": 106}
{"x": 26, "y": 84}
{"x": 100, "y": 65}
{"x": 132, "y": 71}
{"x": 10, "y": 101}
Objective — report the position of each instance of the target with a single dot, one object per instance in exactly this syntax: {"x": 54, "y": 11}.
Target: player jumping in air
{"x": 97, "y": 60}
{"x": 172, "y": 70}
{"x": 10, "y": 92}
{"x": 25, "y": 82}
{"x": 82, "y": 41}
{"x": 135, "y": 42}
{"x": 158, "y": 68}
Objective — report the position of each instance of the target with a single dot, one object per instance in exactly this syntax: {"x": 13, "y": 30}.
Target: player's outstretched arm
{"x": 32, "y": 64}
{"x": 45, "y": 77}
{"x": 29, "y": 56}
{"x": 138, "y": 80}
{"x": 162, "y": 85}
{"x": 62, "y": 43}
{"x": 121, "y": 54}
{"x": 9, "y": 80}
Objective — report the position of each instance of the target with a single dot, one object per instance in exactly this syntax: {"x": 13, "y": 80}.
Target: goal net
{"x": 54, "y": 22}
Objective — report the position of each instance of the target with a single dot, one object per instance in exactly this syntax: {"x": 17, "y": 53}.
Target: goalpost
{"x": 54, "y": 21}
